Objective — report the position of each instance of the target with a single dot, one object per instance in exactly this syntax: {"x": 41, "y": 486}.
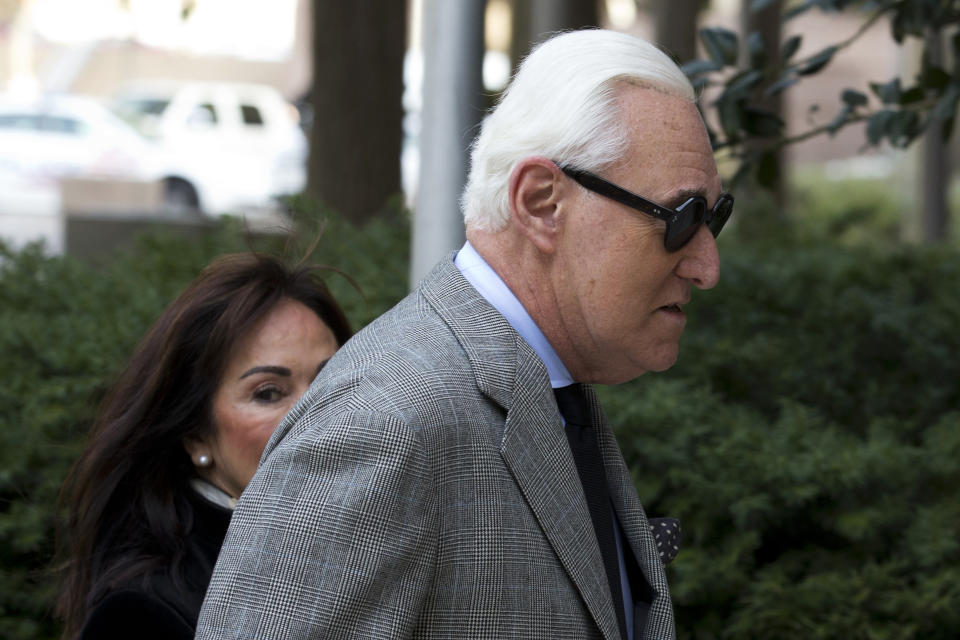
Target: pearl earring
{"x": 204, "y": 461}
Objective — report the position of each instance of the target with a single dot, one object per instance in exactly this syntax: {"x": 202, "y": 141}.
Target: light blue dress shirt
{"x": 495, "y": 291}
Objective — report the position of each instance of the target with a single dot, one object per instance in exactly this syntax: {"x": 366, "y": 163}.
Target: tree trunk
{"x": 535, "y": 20}
{"x": 767, "y": 23}
{"x": 935, "y": 167}
{"x": 675, "y": 27}
{"x": 548, "y": 16}
{"x": 357, "y": 131}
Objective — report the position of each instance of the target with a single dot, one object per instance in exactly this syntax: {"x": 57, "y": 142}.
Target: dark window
{"x": 203, "y": 115}
{"x": 58, "y": 124}
{"x": 20, "y": 122}
{"x": 152, "y": 106}
{"x": 33, "y": 122}
{"x": 251, "y": 115}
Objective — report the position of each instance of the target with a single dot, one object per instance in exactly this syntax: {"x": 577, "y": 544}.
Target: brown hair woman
{"x": 177, "y": 439}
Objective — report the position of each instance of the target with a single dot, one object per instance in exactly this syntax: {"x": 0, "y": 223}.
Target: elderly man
{"x": 449, "y": 475}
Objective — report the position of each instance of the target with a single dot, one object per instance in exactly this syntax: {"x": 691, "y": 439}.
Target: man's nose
{"x": 700, "y": 263}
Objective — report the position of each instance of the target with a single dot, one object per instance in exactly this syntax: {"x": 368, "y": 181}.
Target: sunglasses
{"x": 682, "y": 222}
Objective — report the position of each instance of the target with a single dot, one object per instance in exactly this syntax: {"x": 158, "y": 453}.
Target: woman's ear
{"x": 536, "y": 196}
{"x": 200, "y": 452}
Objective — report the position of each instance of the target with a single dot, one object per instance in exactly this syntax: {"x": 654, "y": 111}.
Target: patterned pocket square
{"x": 666, "y": 531}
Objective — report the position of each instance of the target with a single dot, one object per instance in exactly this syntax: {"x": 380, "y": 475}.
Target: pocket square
{"x": 666, "y": 531}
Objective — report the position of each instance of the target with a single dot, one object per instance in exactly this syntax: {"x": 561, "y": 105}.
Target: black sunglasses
{"x": 682, "y": 222}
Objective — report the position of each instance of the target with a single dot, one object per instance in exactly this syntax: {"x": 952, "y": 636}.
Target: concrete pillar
{"x": 452, "y": 109}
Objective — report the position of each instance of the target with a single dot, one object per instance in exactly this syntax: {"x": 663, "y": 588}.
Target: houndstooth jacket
{"x": 424, "y": 488}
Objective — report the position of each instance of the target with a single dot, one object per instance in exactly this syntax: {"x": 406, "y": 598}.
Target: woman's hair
{"x": 562, "y": 105}
{"x": 126, "y": 497}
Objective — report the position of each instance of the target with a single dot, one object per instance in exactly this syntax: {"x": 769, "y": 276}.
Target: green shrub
{"x": 809, "y": 440}
{"x": 849, "y": 211}
{"x": 375, "y": 256}
{"x": 66, "y": 329}
{"x": 808, "y": 437}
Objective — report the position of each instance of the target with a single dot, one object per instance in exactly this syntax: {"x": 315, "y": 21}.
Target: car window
{"x": 57, "y": 124}
{"x": 143, "y": 106}
{"x": 20, "y": 121}
{"x": 151, "y": 106}
{"x": 203, "y": 115}
{"x": 251, "y": 115}
{"x": 43, "y": 122}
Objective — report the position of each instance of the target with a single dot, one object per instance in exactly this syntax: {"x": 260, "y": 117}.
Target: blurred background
{"x": 809, "y": 436}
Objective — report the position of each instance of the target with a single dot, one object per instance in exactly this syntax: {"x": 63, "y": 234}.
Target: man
{"x": 427, "y": 485}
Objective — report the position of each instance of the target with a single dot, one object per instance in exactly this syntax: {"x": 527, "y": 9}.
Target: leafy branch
{"x": 749, "y": 73}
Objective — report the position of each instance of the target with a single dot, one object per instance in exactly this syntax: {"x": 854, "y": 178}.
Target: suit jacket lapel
{"x": 633, "y": 519}
{"x": 481, "y": 330}
{"x": 534, "y": 447}
{"x": 536, "y": 451}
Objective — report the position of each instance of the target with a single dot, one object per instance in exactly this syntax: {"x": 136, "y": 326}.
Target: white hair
{"x": 562, "y": 105}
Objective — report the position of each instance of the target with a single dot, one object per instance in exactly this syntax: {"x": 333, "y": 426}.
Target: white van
{"x": 226, "y": 147}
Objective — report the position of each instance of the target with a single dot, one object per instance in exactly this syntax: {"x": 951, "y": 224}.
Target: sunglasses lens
{"x": 689, "y": 217}
{"x": 721, "y": 213}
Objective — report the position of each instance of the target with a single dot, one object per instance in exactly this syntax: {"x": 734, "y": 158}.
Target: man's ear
{"x": 536, "y": 193}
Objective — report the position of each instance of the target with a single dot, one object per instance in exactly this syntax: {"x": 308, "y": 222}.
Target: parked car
{"x": 46, "y": 138}
{"x": 228, "y": 147}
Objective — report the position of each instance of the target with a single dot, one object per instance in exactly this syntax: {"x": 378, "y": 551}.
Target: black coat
{"x": 158, "y": 606}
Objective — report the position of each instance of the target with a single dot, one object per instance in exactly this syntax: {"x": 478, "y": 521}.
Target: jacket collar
{"x": 533, "y": 446}
{"x": 486, "y": 336}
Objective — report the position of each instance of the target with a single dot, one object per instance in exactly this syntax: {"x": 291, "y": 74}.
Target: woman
{"x": 179, "y": 437}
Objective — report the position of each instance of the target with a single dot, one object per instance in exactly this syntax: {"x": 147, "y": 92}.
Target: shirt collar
{"x": 213, "y": 493}
{"x": 486, "y": 281}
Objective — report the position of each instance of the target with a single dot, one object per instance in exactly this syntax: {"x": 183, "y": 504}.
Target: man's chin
{"x": 667, "y": 363}
{"x": 632, "y": 372}
{"x": 660, "y": 361}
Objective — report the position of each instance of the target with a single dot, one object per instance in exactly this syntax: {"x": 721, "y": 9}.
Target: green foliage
{"x": 851, "y": 212}
{"x": 808, "y": 437}
{"x": 375, "y": 256}
{"x": 748, "y": 72}
{"x": 66, "y": 329}
{"x": 809, "y": 440}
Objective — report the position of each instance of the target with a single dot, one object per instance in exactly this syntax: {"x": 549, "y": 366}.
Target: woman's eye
{"x": 268, "y": 394}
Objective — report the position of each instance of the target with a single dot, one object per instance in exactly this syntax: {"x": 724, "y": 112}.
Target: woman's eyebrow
{"x": 280, "y": 371}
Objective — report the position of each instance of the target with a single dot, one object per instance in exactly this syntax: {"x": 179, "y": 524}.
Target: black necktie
{"x": 586, "y": 455}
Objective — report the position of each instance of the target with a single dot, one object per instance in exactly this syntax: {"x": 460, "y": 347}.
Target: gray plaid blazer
{"x": 423, "y": 488}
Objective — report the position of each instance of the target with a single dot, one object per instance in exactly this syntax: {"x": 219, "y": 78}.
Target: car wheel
{"x": 179, "y": 197}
